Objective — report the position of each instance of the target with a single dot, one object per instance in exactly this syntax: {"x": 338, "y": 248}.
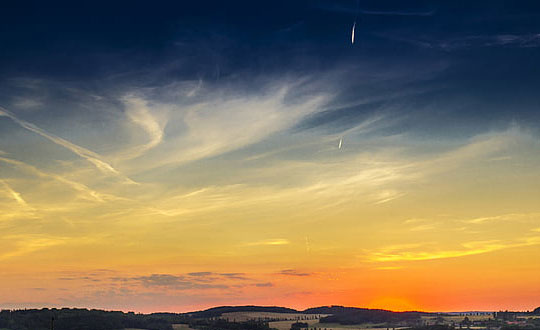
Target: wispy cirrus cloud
{"x": 530, "y": 40}
{"x": 186, "y": 281}
{"x": 175, "y": 282}
{"x": 90, "y": 156}
{"x": 20, "y": 245}
{"x": 423, "y": 251}
{"x": 182, "y": 282}
{"x": 85, "y": 191}
{"x": 453, "y": 44}
{"x": 152, "y": 120}
{"x": 511, "y": 217}
{"x": 222, "y": 122}
{"x": 269, "y": 242}
{"x": 14, "y": 194}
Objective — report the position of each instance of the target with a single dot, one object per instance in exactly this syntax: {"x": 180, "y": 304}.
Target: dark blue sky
{"x": 476, "y": 61}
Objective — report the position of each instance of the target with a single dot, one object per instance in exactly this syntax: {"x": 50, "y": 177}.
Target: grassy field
{"x": 244, "y": 316}
{"x": 180, "y": 326}
{"x": 286, "y": 325}
{"x": 286, "y": 319}
{"x": 459, "y": 318}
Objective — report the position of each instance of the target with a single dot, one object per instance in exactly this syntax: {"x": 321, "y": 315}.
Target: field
{"x": 244, "y": 316}
{"x": 180, "y": 326}
{"x": 286, "y": 319}
{"x": 286, "y": 325}
{"x": 459, "y": 318}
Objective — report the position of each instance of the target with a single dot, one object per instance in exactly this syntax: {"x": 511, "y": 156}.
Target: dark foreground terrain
{"x": 214, "y": 319}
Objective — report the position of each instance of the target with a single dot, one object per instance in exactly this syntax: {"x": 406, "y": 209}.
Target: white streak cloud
{"x": 90, "y": 156}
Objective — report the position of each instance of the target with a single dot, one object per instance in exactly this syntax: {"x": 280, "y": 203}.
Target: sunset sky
{"x": 173, "y": 156}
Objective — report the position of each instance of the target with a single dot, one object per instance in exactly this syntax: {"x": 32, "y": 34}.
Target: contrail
{"x": 355, "y": 19}
{"x": 340, "y": 142}
{"x": 90, "y": 156}
{"x": 75, "y": 185}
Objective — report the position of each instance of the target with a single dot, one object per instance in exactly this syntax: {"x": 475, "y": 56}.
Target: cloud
{"x": 528, "y": 40}
{"x": 28, "y": 243}
{"x": 512, "y": 217}
{"x": 422, "y": 251}
{"x": 222, "y": 122}
{"x": 264, "y": 285}
{"x": 276, "y": 241}
{"x": 531, "y": 40}
{"x": 27, "y": 103}
{"x": 375, "y": 176}
{"x": 90, "y": 156}
{"x": 15, "y": 195}
{"x": 151, "y": 119}
{"x": 293, "y": 272}
{"x": 80, "y": 278}
{"x": 176, "y": 282}
{"x": 203, "y": 274}
{"x": 87, "y": 193}
{"x": 234, "y": 276}
{"x": 187, "y": 281}
{"x": 162, "y": 280}
{"x": 387, "y": 195}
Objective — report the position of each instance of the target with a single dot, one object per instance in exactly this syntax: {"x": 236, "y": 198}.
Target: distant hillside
{"x": 76, "y": 318}
{"x": 329, "y": 310}
{"x": 218, "y": 311}
{"x": 537, "y": 311}
{"x": 341, "y": 309}
{"x": 352, "y": 315}
{"x": 333, "y": 310}
{"x": 73, "y": 318}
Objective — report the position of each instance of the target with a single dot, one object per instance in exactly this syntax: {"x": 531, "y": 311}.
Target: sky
{"x": 174, "y": 156}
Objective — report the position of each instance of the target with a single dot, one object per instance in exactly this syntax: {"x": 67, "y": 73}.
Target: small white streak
{"x": 340, "y": 143}
{"x": 352, "y": 36}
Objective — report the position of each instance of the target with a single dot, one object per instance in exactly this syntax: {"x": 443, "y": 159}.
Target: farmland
{"x": 245, "y": 316}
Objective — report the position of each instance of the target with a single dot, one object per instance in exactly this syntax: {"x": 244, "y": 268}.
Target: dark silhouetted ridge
{"x": 218, "y": 311}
